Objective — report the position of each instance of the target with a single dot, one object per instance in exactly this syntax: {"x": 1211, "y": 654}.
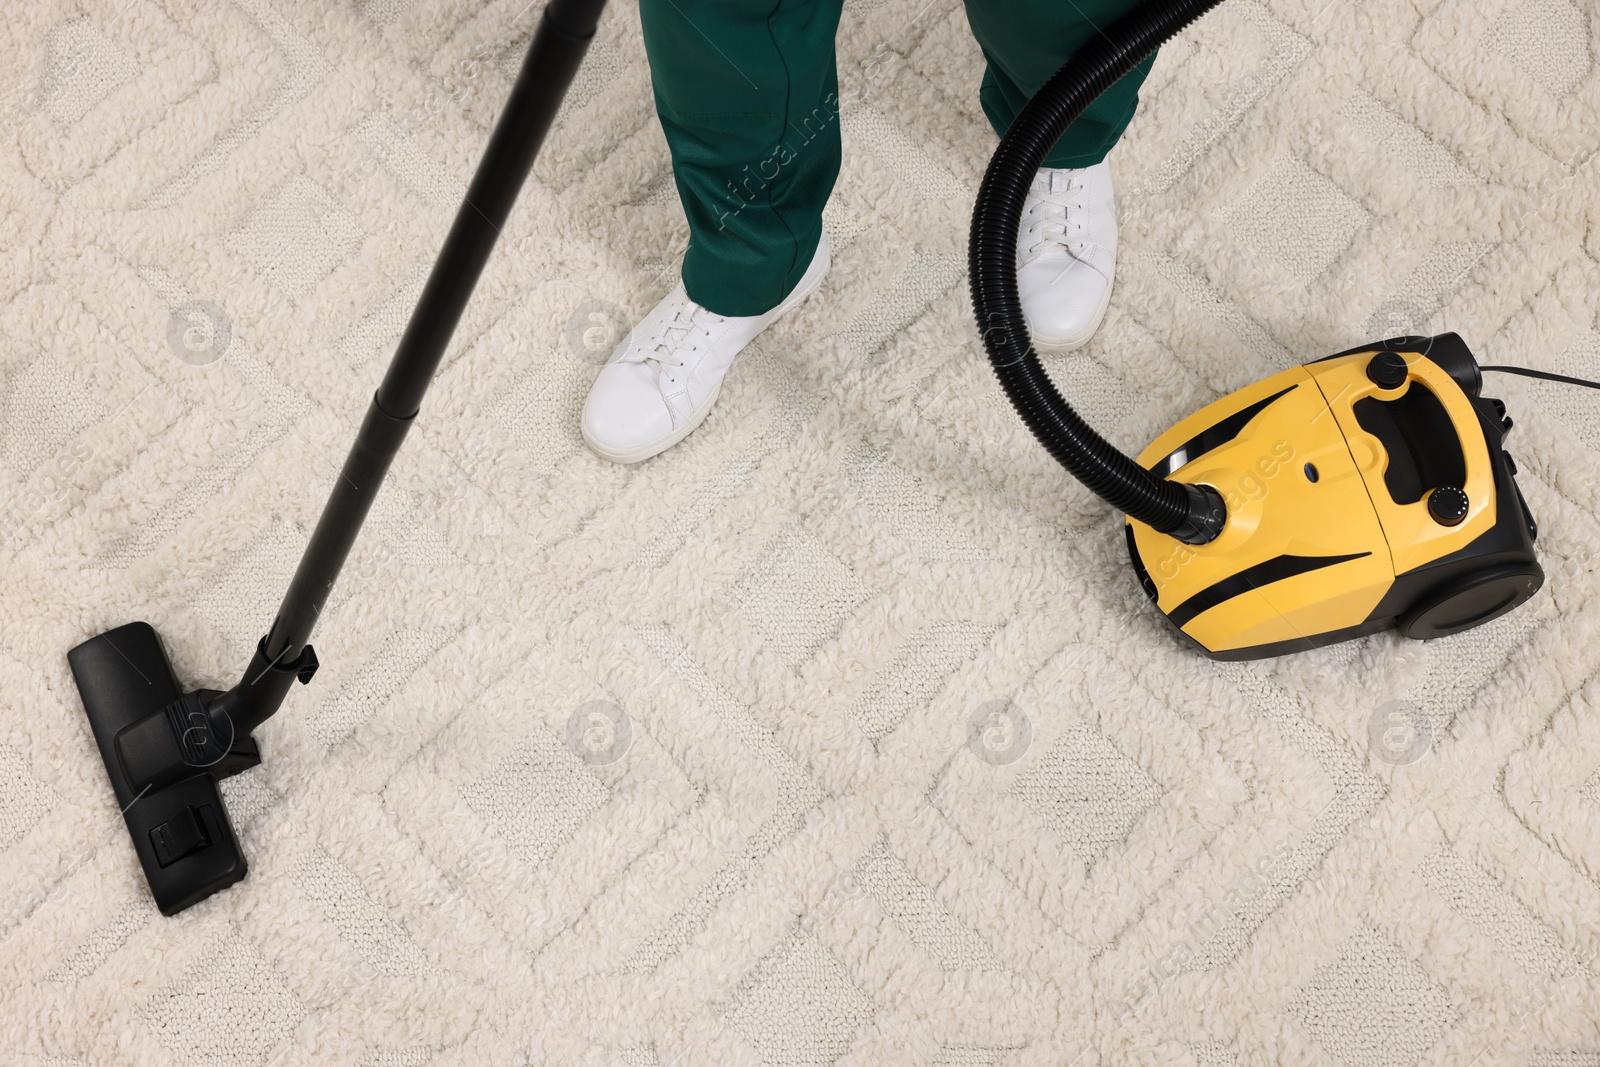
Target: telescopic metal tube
{"x": 559, "y": 43}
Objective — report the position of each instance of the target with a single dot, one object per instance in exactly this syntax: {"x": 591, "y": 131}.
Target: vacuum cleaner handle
{"x": 1193, "y": 514}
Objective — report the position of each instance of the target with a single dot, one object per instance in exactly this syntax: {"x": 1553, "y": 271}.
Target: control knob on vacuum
{"x": 1448, "y": 505}
{"x": 1387, "y": 370}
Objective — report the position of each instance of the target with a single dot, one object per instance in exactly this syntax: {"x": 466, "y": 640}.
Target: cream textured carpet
{"x": 841, "y": 734}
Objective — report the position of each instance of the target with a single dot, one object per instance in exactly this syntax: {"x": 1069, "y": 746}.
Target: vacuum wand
{"x": 165, "y": 749}
{"x": 553, "y": 58}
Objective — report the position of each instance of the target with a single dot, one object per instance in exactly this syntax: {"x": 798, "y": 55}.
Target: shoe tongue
{"x": 1058, "y": 182}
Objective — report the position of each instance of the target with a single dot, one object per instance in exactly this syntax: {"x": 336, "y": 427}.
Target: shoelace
{"x": 664, "y": 355}
{"x": 1056, "y": 218}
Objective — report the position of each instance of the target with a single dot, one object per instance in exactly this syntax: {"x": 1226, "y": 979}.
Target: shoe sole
{"x": 644, "y": 452}
{"x": 655, "y": 448}
{"x": 1053, "y": 347}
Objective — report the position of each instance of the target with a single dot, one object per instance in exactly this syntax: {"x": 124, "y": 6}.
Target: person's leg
{"x": 1025, "y": 42}
{"x": 747, "y": 94}
{"x": 1067, "y": 239}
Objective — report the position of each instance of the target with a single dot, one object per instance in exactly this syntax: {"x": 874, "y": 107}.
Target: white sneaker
{"x": 662, "y": 379}
{"x": 1067, "y": 255}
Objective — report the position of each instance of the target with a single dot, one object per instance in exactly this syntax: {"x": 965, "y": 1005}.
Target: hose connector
{"x": 1208, "y": 514}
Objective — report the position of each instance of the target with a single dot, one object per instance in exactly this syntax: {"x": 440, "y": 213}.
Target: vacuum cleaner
{"x": 1366, "y": 490}
{"x": 1391, "y": 499}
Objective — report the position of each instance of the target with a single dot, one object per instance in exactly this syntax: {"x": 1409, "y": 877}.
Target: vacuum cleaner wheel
{"x": 1471, "y": 600}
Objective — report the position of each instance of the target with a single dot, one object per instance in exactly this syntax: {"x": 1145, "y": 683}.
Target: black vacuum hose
{"x": 1192, "y": 513}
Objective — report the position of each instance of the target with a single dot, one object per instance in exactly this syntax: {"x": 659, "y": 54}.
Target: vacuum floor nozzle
{"x": 179, "y": 827}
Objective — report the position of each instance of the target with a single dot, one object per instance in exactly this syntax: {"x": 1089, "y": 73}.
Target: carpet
{"x": 841, "y": 734}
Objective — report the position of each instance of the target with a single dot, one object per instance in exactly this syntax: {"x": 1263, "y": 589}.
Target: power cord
{"x": 1546, "y": 375}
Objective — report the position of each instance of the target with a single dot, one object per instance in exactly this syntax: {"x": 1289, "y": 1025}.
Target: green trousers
{"x": 748, "y": 95}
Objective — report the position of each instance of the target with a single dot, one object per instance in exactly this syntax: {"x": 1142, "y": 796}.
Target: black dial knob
{"x": 1387, "y": 370}
{"x": 1448, "y": 505}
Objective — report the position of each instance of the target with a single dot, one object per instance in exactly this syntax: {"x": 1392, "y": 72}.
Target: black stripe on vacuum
{"x": 1214, "y": 436}
{"x": 1275, "y": 569}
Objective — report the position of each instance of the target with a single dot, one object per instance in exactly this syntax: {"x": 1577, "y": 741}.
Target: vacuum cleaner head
{"x": 179, "y": 825}
{"x": 1365, "y": 490}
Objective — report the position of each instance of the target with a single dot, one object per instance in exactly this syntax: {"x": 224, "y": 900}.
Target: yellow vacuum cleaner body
{"x": 1365, "y": 490}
